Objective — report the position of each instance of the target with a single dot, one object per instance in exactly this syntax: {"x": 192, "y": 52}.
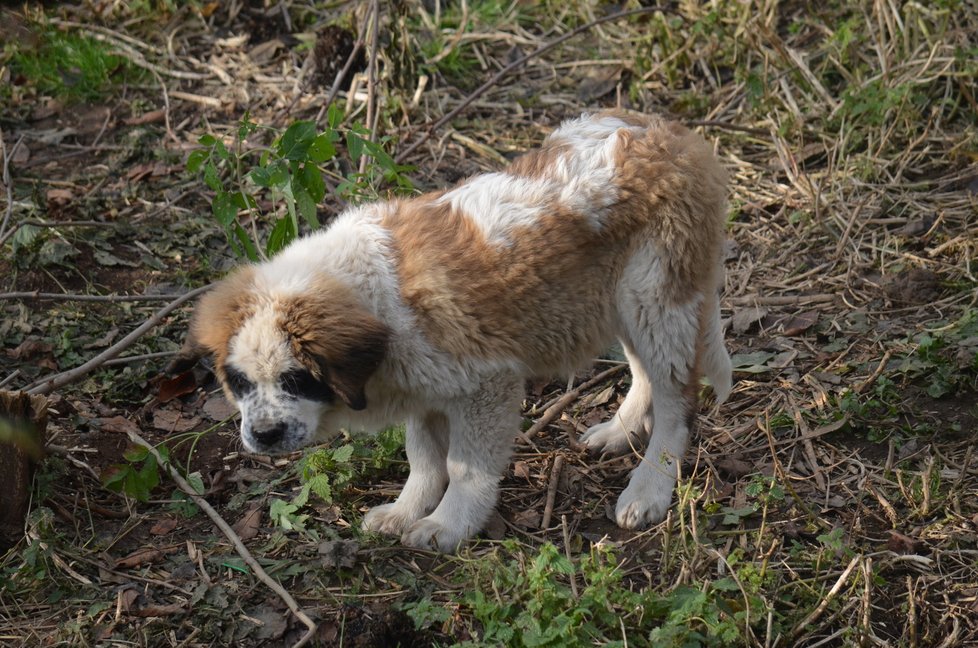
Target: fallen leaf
{"x": 146, "y": 118}
{"x": 744, "y": 318}
{"x": 170, "y": 420}
{"x": 734, "y": 468}
{"x": 179, "y": 385}
{"x": 140, "y": 557}
{"x": 217, "y": 408}
{"x": 521, "y": 469}
{"x": 903, "y": 544}
{"x": 31, "y": 347}
{"x": 495, "y": 528}
{"x": 103, "y": 341}
{"x": 800, "y": 323}
{"x": 118, "y": 425}
{"x": 247, "y": 526}
{"x": 159, "y": 610}
{"x": 528, "y": 519}
{"x": 751, "y": 362}
{"x": 338, "y": 553}
{"x": 59, "y": 197}
{"x": 271, "y": 624}
{"x": 164, "y": 526}
{"x": 127, "y": 599}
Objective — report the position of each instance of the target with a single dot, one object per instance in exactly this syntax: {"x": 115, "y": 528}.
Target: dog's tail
{"x": 715, "y": 360}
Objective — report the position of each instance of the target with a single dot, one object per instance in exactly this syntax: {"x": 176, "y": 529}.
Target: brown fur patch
{"x": 551, "y": 289}
{"x": 218, "y": 316}
{"x": 334, "y": 336}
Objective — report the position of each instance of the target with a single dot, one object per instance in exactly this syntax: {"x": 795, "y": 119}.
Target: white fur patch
{"x": 499, "y": 203}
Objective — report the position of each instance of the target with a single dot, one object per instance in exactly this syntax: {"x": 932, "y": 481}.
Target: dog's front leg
{"x": 482, "y": 427}
{"x": 426, "y": 444}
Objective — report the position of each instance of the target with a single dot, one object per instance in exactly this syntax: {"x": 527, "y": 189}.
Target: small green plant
{"x": 66, "y": 63}
{"x": 290, "y": 173}
{"x": 139, "y": 476}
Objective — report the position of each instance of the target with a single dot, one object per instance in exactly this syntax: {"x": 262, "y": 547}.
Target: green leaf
{"x": 296, "y": 140}
{"x": 196, "y": 159}
{"x": 211, "y": 176}
{"x": 282, "y": 234}
{"x": 311, "y": 179}
{"x": 343, "y": 453}
{"x": 113, "y": 476}
{"x": 207, "y": 140}
{"x": 334, "y": 115}
{"x": 245, "y": 241}
{"x": 224, "y": 209}
{"x": 322, "y": 149}
{"x": 278, "y": 174}
{"x": 196, "y": 482}
{"x": 319, "y": 484}
{"x": 306, "y": 207}
{"x": 354, "y": 144}
{"x": 135, "y": 453}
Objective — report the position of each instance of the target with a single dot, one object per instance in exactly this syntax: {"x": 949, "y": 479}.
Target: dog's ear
{"x": 217, "y": 316}
{"x": 354, "y": 360}
{"x": 332, "y": 333}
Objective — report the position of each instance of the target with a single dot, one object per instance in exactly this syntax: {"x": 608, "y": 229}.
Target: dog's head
{"x": 285, "y": 356}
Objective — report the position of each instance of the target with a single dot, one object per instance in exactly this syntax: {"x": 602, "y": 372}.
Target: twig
{"x": 233, "y": 537}
{"x": 824, "y": 603}
{"x": 554, "y": 410}
{"x": 478, "y": 92}
{"x": 47, "y": 385}
{"x": 338, "y": 81}
{"x": 39, "y": 296}
{"x": 372, "y": 78}
{"x": 6, "y": 156}
{"x": 866, "y": 384}
{"x": 780, "y": 300}
{"x": 548, "y": 509}
{"x": 39, "y": 223}
{"x": 137, "y": 358}
{"x": 567, "y": 553}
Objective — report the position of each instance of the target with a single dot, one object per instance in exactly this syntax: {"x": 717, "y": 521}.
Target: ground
{"x": 830, "y": 501}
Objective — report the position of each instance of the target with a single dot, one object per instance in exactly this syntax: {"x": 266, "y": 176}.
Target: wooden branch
{"x": 478, "y": 92}
{"x": 233, "y": 537}
{"x": 49, "y": 384}
{"x": 41, "y": 296}
{"x": 564, "y": 401}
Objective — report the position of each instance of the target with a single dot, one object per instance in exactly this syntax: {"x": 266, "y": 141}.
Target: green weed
{"x": 66, "y": 63}
{"x": 290, "y": 173}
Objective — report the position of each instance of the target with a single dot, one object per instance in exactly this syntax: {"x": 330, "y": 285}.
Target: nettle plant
{"x": 290, "y": 173}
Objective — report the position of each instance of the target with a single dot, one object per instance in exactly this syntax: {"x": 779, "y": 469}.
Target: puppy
{"x": 434, "y": 310}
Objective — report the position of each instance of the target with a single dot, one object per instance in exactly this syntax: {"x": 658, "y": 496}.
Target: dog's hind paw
{"x": 389, "y": 519}
{"x": 427, "y": 533}
{"x": 640, "y": 508}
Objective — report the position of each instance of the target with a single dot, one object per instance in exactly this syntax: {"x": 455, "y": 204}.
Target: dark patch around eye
{"x": 237, "y": 382}
{"x": 302, "y": 384}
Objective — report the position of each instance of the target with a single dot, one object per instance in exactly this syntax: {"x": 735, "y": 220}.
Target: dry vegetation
{"x": 833, "y": 500}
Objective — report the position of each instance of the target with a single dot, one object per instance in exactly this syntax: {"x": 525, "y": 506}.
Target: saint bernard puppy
{"x": 434, "y": 310}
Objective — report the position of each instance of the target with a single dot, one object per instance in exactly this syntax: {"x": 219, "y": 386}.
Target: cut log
{"x": 23, "y": 422}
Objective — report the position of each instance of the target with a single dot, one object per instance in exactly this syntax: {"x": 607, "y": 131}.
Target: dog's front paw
{"x": 390, "y": 519}
{"x": 641, "y": 504}
{"x": 428, "y": 533}
{"x": 611, "y": 437}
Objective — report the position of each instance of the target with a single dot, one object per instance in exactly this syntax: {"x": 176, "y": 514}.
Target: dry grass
{"x": 834, "y": 492}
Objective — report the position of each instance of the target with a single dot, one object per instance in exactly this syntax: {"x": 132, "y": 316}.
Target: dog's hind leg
{"x": 668, "y": 342}
{"x": 426, "y": 444}
{"x": 629, "y": 429}
{"x": 482, "y": 428}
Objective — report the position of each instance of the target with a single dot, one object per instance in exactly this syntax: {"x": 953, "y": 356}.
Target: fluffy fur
{"x": 434, "y": 310}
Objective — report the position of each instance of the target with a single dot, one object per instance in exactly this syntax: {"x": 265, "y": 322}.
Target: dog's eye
{"x": 237, "y": 381}
{"x": 303, "y": 384}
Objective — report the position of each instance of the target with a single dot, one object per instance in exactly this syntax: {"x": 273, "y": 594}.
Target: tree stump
{"x": 23, "y": 422}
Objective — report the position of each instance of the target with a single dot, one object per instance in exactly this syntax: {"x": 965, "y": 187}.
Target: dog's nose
{"x": 269, "y": 437}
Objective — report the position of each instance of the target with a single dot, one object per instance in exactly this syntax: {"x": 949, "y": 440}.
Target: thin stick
{"x": 40, "y": 296}
{"x": 7, "y": 183}
{"x": 38, "y": 223}
{"x": 554, "y": 410}
{"x": 430, "y": 129}
{"x": 48, "y": 385}
{"x": 335, "y": 90}
{"x": 567, "y": 553}
{"x": 548, "y": 509}
{"x": 824, "y": 603}
{"x": 233, "y": 537}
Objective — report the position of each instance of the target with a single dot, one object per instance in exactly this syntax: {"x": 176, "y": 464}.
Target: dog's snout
{"x": 271, "y": 435}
